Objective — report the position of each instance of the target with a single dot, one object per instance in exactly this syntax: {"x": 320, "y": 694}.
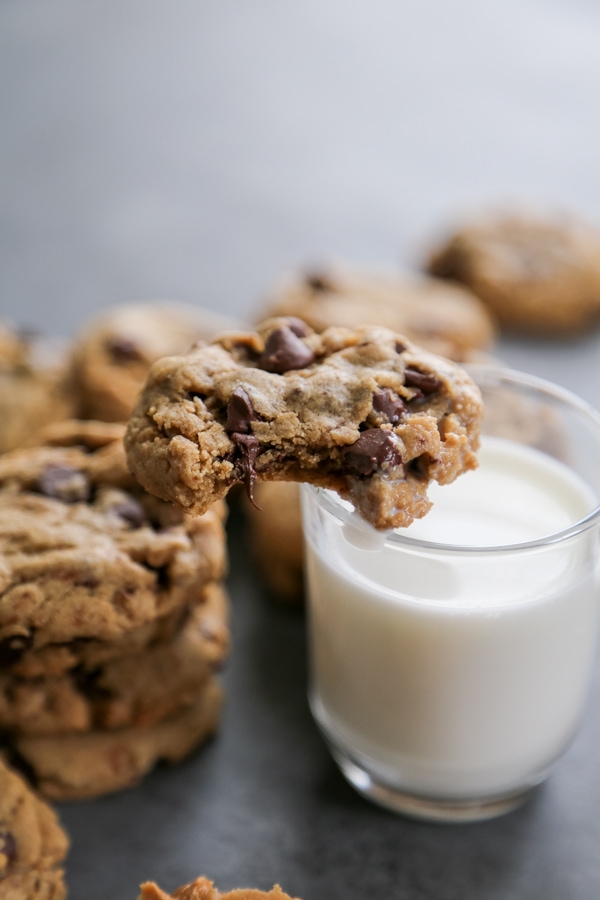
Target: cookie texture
{"x": 36, "y": 388}
{"x": 112, "y": 356}
{"x": 539, "y": 276}
{"x": 444, "y": 318}
{"x": 203, "y": 889}
{"x": 80, "y": 766}
{"x": 136, "y": 690}
{"x": 33, "y": 845}
{"x": 85, "y": 554}
{"x": 363, "y": 412}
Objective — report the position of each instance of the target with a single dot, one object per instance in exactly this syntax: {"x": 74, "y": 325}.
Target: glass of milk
{"x": 450, "y": 660}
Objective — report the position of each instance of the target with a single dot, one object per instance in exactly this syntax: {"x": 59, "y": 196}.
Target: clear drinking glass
{"x": 450, "y": 661}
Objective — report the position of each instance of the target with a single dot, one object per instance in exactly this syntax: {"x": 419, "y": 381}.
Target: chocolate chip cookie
{"x": 112, "y": 356}
{"x": 79, "y": 766}
{"x": 202, "y": 889}
{"x": 85, "y": 555}
{"x": 363, "y": 412}
{"x": 443, "y": 318}
{"x": 134, "y": 690}
{"x": 33, "y": 845}
{"x": 537, "y": 275}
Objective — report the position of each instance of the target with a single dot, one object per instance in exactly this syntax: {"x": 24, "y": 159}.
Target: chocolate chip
{"x": 298, "y": 326}
{"x": 89, "y": 582}
{"x": 163, "y": 577}
{"x": 390, "y": 405}
{"x": 12, "y": 648}
{"x": 131, "y": 511}
{"x": 400, "y": 347}
{"x": 285, "y": 351}
{"x": 248, "y": 446}
{"x": 371, "y": 451}
{"x": 8, "y": 849}
{"x": 427, "y": 384}
{"x": 123, "y": 349}
{"x": 87, "y": 682}
{"x": 319, "y": 281}
{"x": 240, "y": 412}
{"x": 64, "y": 483}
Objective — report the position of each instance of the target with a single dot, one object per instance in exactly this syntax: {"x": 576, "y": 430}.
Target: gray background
{"x": 191, "y": 150}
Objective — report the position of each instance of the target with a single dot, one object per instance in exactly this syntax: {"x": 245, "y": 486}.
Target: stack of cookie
{"x": 113, "y": 617}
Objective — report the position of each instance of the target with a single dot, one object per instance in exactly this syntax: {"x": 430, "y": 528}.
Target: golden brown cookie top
{"x": 363, "y": 412}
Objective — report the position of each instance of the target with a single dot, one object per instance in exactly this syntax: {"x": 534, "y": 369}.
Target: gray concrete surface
{"x": 192, "y": 150}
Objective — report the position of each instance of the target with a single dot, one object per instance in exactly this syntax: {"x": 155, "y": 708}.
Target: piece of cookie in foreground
{"x": 33, "y": 845}
{"x": 363, "y": 412}
{"x": 202, "y": 889}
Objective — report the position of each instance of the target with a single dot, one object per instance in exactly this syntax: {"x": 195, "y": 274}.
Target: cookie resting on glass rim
{"x": 363, "y": 412}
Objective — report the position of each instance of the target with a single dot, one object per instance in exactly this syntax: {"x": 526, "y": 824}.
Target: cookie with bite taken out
{"x": 363, "y": 412}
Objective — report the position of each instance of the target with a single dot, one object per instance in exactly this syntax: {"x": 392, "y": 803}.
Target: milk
{"x": 458, "y": 673}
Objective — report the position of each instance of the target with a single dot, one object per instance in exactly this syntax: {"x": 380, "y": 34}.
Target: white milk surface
{"x": 453, "y": 674}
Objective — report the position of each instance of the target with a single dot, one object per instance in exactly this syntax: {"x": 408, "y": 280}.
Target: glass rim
{"x": 484, "y": 374}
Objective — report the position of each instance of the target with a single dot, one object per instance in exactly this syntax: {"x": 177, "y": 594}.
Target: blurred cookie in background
{"x": 35, "y": 385}
{"x": 114, "y": 352}
{"x": 537, "y": 275}
{"x": 275, "y": 535}
{"x": 443, "y": 318}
